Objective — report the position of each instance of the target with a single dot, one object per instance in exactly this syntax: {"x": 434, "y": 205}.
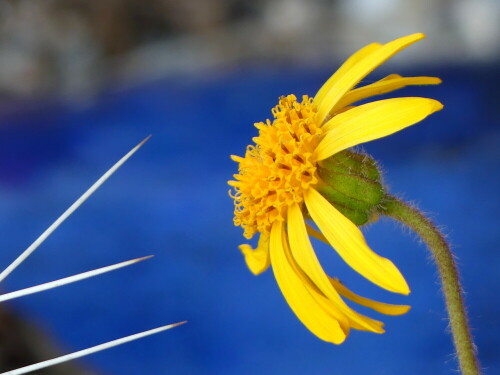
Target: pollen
{"x": 276, "y": 171}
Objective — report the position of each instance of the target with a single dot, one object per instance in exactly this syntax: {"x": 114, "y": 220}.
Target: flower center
{"x": 276, "y": 172}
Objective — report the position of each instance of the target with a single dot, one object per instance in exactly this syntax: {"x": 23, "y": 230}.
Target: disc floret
{"x": 278, "y": 170}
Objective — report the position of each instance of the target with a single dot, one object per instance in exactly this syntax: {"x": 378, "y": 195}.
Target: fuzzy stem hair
{"x": 448, "y": 272}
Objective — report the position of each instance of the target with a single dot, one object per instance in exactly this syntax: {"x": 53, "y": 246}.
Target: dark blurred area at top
{"x": 75, "y": 47}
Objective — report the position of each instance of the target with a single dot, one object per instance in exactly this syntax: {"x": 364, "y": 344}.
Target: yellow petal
{"x": 383, "y": 86}
{"x": 313, "y": 290}
{"x": 348, "y": 64}
{"x": 358, "y": 71}
{"x": 303, "y": 254}
{"x": 318, "y": 235}
{"x": 257, "y": 260}
{"x": 372, "y": 121}
{"x": 298, "y": 295}
{"x": 380, "y": 307}
{"x": 350, "y": 243}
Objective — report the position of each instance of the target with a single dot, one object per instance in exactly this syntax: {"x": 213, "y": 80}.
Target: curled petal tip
{"x": 435, "y": 105}
{"x": 398, "y": 283}
{"x": 439, "y": 106}
{"x": 418, "y": 36}
{"x": 404, "y": 289}
{"x": 411, "y": 38}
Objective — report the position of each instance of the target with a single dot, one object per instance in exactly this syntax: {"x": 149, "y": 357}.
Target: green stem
{"x": 448, "y": 272}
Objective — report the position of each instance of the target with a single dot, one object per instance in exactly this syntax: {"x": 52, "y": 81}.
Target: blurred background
{"x": 82, "y": 82}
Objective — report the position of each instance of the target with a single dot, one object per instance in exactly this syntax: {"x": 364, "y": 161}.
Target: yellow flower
{"x": 276, "y": 191}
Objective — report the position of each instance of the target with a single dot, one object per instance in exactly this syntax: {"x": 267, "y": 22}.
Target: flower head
{"x": 282, "y": 190}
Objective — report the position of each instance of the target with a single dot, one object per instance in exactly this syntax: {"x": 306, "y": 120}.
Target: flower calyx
{"x": 352, "y": 183}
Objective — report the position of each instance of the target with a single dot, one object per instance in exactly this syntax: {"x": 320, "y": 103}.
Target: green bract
{"x": 352, "y": 183}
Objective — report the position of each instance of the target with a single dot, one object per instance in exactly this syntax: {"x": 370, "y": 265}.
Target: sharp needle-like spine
{"x": 84, "y": 352}
{"x": 68, "y": 212}
{"x": 68, "y": 280}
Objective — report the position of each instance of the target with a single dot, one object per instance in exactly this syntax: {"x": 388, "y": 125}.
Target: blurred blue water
{"x": 171, "y": 200}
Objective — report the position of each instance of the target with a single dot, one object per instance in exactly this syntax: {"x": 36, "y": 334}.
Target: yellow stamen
{"x": 277, "y": 171}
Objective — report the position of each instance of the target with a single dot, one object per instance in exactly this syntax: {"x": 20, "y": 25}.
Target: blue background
{"x": 171, "y": 200}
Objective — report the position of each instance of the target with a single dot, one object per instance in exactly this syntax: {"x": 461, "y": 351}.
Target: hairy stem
{"x": 448, "y": 272}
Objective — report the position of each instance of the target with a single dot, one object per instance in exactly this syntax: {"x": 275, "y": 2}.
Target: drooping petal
{"x": 372, "y": 121}
{"x": 384, "y": 308}
{"x": 352, "y": 76}
{"x": 350, "y": 244}
{"x": 297, "y": 293}
{"x": 390, "y": 83}
{"x": 316, "y": 234}
{"x": 258, "y": 259}
{"x": 344, "y": 68}
{"x": 303, "y": 254}
{"x": 318, "y": 296}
